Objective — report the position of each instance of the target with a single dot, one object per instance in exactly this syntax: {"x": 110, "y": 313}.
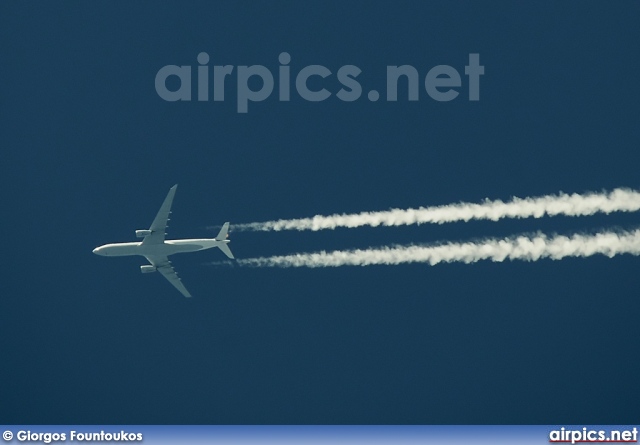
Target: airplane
{"x": 157, "y": 250}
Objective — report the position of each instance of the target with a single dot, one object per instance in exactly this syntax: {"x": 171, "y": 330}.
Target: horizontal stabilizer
{"x": 226, "y": 250}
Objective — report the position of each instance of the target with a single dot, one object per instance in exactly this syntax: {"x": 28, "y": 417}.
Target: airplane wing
{"x": 159, "y": 225}
{"x": 163, "y": 265}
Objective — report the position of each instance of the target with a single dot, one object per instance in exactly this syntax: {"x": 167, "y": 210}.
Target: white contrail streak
{"x": 619, "y": 200}
{"x": 516, "y": 248}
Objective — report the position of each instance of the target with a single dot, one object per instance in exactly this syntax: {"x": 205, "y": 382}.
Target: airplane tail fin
{"x": 222, "y": 236}
{"x": 224, "y": 232}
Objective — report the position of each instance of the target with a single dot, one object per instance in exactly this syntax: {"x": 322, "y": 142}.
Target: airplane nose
{"x": 95, "y": 250}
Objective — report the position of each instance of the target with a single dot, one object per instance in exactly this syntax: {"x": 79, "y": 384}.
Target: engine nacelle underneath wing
{"x": 147, "y": 268}
{"x": 142, "y": 233}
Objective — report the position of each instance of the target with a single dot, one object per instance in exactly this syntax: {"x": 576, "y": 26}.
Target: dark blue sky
{"x": 89, "y": 151}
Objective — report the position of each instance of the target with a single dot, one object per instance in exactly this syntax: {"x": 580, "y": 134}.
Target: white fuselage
{"x": 169, "y": 247}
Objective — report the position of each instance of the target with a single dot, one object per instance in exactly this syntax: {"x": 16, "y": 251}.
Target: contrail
{"x": 527, "y": 248}
{"x": 618, "y": 200}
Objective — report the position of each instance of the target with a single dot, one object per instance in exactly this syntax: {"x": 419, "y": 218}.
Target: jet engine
{"x": 147, "y": 268}
{"x": 142, "y": 233}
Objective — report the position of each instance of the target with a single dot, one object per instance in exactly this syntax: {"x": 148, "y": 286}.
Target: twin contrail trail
{"x": 618, "y": 200}
{"x": 527, "y": 248}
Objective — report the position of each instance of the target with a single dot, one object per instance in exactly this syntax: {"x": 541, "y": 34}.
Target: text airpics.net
{"x": 255, "y": 83}
{"x": 585, "y": 435}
